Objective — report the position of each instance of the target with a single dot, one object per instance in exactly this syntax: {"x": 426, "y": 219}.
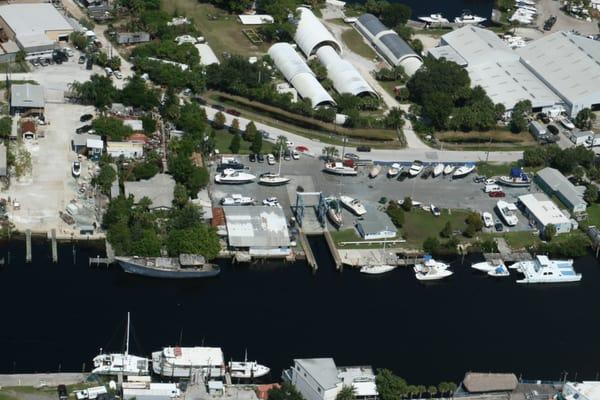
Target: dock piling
{"x": 54, "y": 247}
{"x": 28, "y": 245}
{"x": 310, "y": 257}
{"x": 333, "y": 250}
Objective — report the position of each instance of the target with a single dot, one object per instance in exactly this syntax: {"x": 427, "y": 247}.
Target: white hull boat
{"x": 434, "y": 19}
{"x": 468, "y": 18}
{"x": 183, "y": 362}
{"x": 448, "y": 169}
{"x": 353, "y": 205}
{"x": 415, "y": 168}
{"x": 499, "y": 272}
{"x": 438, "y": 169}
{"x": 270, "y": 179}
{"x": 374, "y": 172}
{"x": 338, "y": 168}
{"x": 394, "y": 170}
{"x": 484, "y": 266}
{"x": 247, "y": 369}
{"x": 234, "y": 177}
{"x": 488, "y": 220}
{"x": 430, "y": 273}
{"x": 237, "y": 200}
{"x": 507, "y": 212}
{"x": 377, "y": 269}
{"x": 335, "y": 217}
{"x": 463, "y": 171}
{"x": 544, "y": 270}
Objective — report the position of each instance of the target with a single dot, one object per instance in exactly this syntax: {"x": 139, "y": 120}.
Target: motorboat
{"x": 448, "y": 169}
{"x": 237, "y": 200}
{"x": 567, "y": 123}
{"x": 247, "y": 369}
{"x": 353, "y": 205}
{"x": 415, "y": 168}
{"x": 375, "y": 170}
{"x": 183, "y": 362}
{"x": 414, "y": 203}
{"x": 338, "y": 168}
{"x": 499, "y": 272}
{"x": 394, "y": 170}
{"x": 377, "y": 269}
{"x": 271, "y": 202}
{"x": 463, "y": 171}
{"x": 434, "y": 19}
{"x": 334, "y": 213}
{"x": 438, "y": 169}
{"x": 121, "y": 363}
{"x": 488, "y": 220}
{"x": 468, "y": 18}
{"x": 431, "y": 270}
{"x": 526, "y": 2}
{"x": 487, "y": 266}
{"x": 76, "y": 169}
{"x": 234, "y": 177}
{"x": 544, "y": 270}
{"x": 185, "y": 266}
{"x": 517, "y": 178}
{"x": 507, "y": 212}
{"x": 435, "y": 210}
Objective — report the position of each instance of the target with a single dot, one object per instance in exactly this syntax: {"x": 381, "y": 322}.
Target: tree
{"x": 407, "y": 204}
{"x": 112, "y": 128}
{"x": 591, "y": 194}
{"x": 412, "y": 390}
{"x": 136, "y": 93}
{"x": 20, "y": 56}
{"x": 585, "y": 119}
{"x": 578, "y": 173}
{"x": 280, "y": 145}
{"x": 346, "y": 393}
{"x": 5, "y": 127}
{"x": 250, "y": 132}
{"x": 474, "y": 220}
{"x": 447, "y": 230}
{"x": 235, "y": 143}
{"x": 518, "y": 117}
{"x": 395, "y": 213}
{"x": 79, "y": 40}
{"x": 98, "y": 91}
{"x": 219, "y": 120}
{"x": 432, "y": 390}
{"x": 286, "y": 391}
{"x": 431, "y": 245}
{"x": 148, "y": 124}
{"x": 235, "y": 126}
{"x": 180, "y": 195}
{"x": 257, "y": 143}
{"x": 145, "y": 170}
{"x": 105, "y": 177}
{"x": 200, "y": 239}
{"x": 390, "y": 386}
{"x": 420, "y": 390}
{"x": 395, "y": 118}
{"x": 330, "y": 152}
{"x": 396, "y": 13}
{"x": 549, "y": 232}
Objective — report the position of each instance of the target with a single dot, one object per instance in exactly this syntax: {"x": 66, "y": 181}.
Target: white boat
{"x": 499, "y": 272}
{"x": 435, "y": 210}
{"x": 237, "y": 200}
{"x": 434, "y": 19}
{"x": 526, "y": 2}
{"x": 468, "y": 18}
{"x": 335, "y": 216}
{"x": 272, "y": 178}
{"x": 183, "y": 362}
{"x": 234, "y": 177}
{"x": 415, "y": 168}
{"x": 376, "y": 269}
{"x": 121, "y": 363}
{"x": 76, "y": 169}
{"x": 567, "y": 123}
{"x": 338, "y": 168}
{"x": 507, "y": 212}
{"x": 517, "y": 178}
{"x": 544, "y": 270}
{"x": 375, "y": 170}
{"x": 353, "y": 205}
{"x": 438, "y": 169}
{"x": 488, "y": 220}
{"x": 431, "y": 270}
{"x": 528, "y": 9}
{"x": 448, "y": 169}
{"x": 247, "y": 369}
{"x": 394, "y": 170}
{"x": 487, "y": 266}
{"x": 463, "y": 171}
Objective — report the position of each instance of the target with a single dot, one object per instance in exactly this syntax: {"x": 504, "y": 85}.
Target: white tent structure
{"x": 312, "y": 34}
{"x": 297, "y": 73}
{"x": 345, "y": 78}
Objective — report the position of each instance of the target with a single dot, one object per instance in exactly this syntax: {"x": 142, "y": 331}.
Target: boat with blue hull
{"x": 186, "y": 266}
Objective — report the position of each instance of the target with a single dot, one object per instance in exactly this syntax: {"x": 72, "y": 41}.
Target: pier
{"x": 506, "y": 254}
{"x": 54, "y": 246}
{"x": 28, "y": 245}
{"x": 310, "y": 257}
{"x": 337, "y": 260}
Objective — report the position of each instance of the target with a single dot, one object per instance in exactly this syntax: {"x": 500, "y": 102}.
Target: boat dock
{"x": 28, "y": 245}
{"x": 310, "y": 257}
{"x": 337, "y": 260}
{"x": 54, "y": 246}
{"x": 506, "y": 254}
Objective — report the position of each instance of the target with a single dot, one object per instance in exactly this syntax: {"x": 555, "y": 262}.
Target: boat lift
{"x": 320, "y": 206}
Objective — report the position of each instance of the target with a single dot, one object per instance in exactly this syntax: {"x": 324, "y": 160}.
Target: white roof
{"x": 207, "y": 55}
{"x": 256, "y": 19}
{"x": 94, "y": 144}
{"x": 124, "y": 146}
{"x": 544, "y": 209}
{"x": 256, "y": 226}
{"x": 212, "y": 356}
{"x": 135, "y": 124}
{"x": 27, "y": 95}
{"x": 311, "y": 33}
{"x": 168, "y": 390}
{"x": 586, "y": 390}
{"x": 33, "y": 40}
{"x": 477, "y": 45}
{"x": 345, "y": 78}
{"x": 365, "y": 389}
{"x": 33, "y": 18}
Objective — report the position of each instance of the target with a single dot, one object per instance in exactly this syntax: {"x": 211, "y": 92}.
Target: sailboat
{"x": 376, "y": 269}
{"x": 271, "y": 179}
{"x": 247, "y": 369}
{"x": 120, "y": 363}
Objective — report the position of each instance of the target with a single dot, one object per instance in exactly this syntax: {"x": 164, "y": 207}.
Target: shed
{"x": 476, "y": 382}
{"x": 28, "y": 129}
{"x": 207, "y": 55}
{"x": 581, "y": 137}
{"x": 376, "y": 225}
{"x": 27, "y": 98}
{"x": 256, "y": 19}
{"x": 125, "y": 149}
{"x": 261, "y": 229}
{"x": 132, "y": 37}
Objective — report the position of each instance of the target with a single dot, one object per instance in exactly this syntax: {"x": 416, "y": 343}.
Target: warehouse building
{"x": 542, "y": 212}
{"x": 345, "y": 78}
{"x": 388, "y": 44}
{"x": 312, "y": 34}
{"x": 299, "y": 75}
{"x": 554, "y": 183}
{"x": 35, "y": 27}
{"x": 27, "y": 99}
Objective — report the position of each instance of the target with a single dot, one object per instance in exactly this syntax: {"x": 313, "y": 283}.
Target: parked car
{"x": 233, "y": 112}
{"x": 86, "y": 117}
{"x": 44, "y": 62}
{"x": 364, "y": 149}
{"x": 83, "y": 129}
{"x": 435, "y": 210}
{"x": 62, "y": 392}
{"x": 479, "y": 179}
{"x": 497, "y": 193}
{"x": 89, "y": 63}
{"x": 76, "y": 169}
{"x": 260, "y": 158}
{"x": 543, "y": 117}
{"x": 295, "y": 155}
{"x": 271, "y": 201}
{"x": 553, "y": 129}
{"x": 34, "y": 62}
{"x": 351, "y": 156}
{"x": 252, "y": 157}
{"x": 499, "y": 227}
{"x": 218, "y": 107}
{"x": 108, "y": 71}
{"x": 270, "y": 159}
{"x": 287, "y": 156}
{"x": 264, "y": 133}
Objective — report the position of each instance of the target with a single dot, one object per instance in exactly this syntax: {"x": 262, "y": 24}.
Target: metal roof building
{"x": 345, "y": 78}
{"x": 27, "y": 97}
{"x": 257, "y": 227}
{"x": 312, "y": 34}
{"x": 543, "y": 212}
{"x": 553, "y": 182}
{"x": 387, "y": 42}
{"x": 376, "y": 225}
{"x": 297, "y": 72}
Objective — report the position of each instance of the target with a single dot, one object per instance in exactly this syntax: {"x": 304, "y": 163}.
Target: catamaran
{"x": 247, "y": 369}
{"x": 234, "y": 177}
{"x": 544, "y": 270}
{"x": 507, "y": 212}
{"x": 120, "y": 363}
{"x": 353, "y": 205}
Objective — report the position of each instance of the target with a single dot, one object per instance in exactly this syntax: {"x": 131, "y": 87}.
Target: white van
{"x": 108, "y": 71}
{"x": 492, "y": 188}
{"x": 270, "y": 159}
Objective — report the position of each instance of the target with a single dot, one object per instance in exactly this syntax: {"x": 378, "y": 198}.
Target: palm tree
{"x": 347, "y": 393}
{"x": 432, "y": 390}
{"x": 452, "y": 388}
{"x": 420, "y": 390}
{"x": 411, "y": 390}
{"x": 330, "y": 152}
{"x": 280, "y": 145}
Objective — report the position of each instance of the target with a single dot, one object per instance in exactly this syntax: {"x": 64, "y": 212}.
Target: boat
{"x": 377, "y": 269}
{"x": 183, "y": 362}
{"x": 338, "y": 168}
{"x": 394, "y": 170}
{"x": 415, "y": 168}
{"x": 353, "y": 205}
{"x": 438, "y": 169}
{"x": 517, "y": 178}
{"x": 121, "y": 363}
{"x": 487, "y": 266}
{"x": 567, "y": 123}
{"x": 488, "y": 220}
{"x": 334, "y": 213}
{"x": 237, "y": 200}
{"x": 182, "y": 267}
{"x": 431, "y": 270}
{"x": 499, "y": 272}
{"x": 434, "y": 19}
{"x": 526, "y": 2}
{"x": 544, "y": 270}
{"x": 76, "y": 169}
{"x": 507, "y": 212}
{"x": 469, "y": 18}
{"x": 427, "y": 171}
{"x": 247, "y": 369}
{"x": 272, "y": 178}
{"x": 463, "y": 171}
{"x": 448, "y": 169}
{"x": 375, "y": 170}
{"x": 234, "y": 177}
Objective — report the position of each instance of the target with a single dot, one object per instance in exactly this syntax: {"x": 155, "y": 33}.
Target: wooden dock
{"x": 97, "y": 261}
{"x": 310, "y": 257}
{"x": 28, "y": 245}
{"x": 54, "y": 246}
{"x": 506, "y": 254}
{"x": 333, "y": 250}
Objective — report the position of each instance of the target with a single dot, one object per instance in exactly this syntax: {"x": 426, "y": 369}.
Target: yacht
{"x": 234, "y": 177}
{"x": 120, "y": 363}
{"x": 375, "y": 170}
{"x": 438, "y": 169}
{"x": 415, "y": 168}
{"x": 517, "y": 178}
{"x": 338, "y": 168}
{"x": 353, "y": 205}
{"x": 274, "y": 179}
{"x": 183, "y": 362}
{"x": 507, "y": 212}
{"x": 463, "y": 171}
{"x": 468, "y": 18}
{"x": 237, "y": 200}
{"x": 487, "y": 266}
{"x": 434, "y": 19}
{"x": 247, "y": 369}
{"x": 376, "y": 269}
{"x": 488, "y": 220}
{"x": 448, "y": 169}
{"x": 499, "y": 272}
{"x": 431, "y": 270}
{"x": 544, "y": 270}
{"x": 394, "y": 170}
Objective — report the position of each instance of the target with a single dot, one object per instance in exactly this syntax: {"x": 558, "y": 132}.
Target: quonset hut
{"x": 345, "y": 78}
{"x": 311, "y": 34}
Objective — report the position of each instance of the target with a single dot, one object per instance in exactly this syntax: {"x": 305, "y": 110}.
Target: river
{"x": 58, "y": 315}
{"x": 448, "y": 8}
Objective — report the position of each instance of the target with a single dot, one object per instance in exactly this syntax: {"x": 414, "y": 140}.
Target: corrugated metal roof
{"x": 396, "y": 45}
{"x": 27, "y": 95}
{"x": 559, "y": 183}
{"x": 256, "y": 226}
{"x": 372, "y": 24}
{"x": 33, "y": 18}
{"x": 311, "y": 33}
{"x": 323, "y": 370}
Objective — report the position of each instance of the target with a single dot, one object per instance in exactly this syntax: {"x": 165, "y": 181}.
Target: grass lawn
{"x": 357, "y": 44}
{"x": 498, "y": 169}
{"x": 420, "y": 224}
{"x": 223, "y": 34}
{"x": 516, "y": 240}
{"x": 351, "y": 235}
{"x": 223, "y": 140}
{"x": 594, "y": 215}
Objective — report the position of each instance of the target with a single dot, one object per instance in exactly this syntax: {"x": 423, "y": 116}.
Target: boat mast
{"x": 279, "y": 170}
{"x": 127, "y": 334}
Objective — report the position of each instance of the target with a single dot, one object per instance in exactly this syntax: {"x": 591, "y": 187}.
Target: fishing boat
{"x": 247, "y": 369}
{"x": 237, "y": 200}
{"x": 338, "y": 168}
{"x": 353, "y": 205}
{"x": 438, "y": 169}
{"x": 448, "y": 169}
{"x": 434, "y": 19}
{"x": 499, "y": 272}
{"x": 544, "y": 270}
{"x": 375, "y": 170}
{"x": 463, "y": 171}
{"x": 488, "y": 220}
{"x": 415, "y": 168}
{"x": 487, "y": 266}
{"x": 274, "y": 179}
{"x": 507, "y": 212}
{"x": 394, "y": 170}
{"x": 334, "y": 213}
{"x": 517, "y": 178}
{"x": 121, "y": 363}
{"x": 234, "y": 177}
{"x": 431, "y": 270}
{"x": 467, "y": 17}
{"x": 377, "y": 269}
{"x": 185, "y": 266}
{"x": 183, "y": 362}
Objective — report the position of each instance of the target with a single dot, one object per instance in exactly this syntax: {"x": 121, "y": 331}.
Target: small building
{"x": 150, "y": 391}
{"x": 553, "y": 182}
{"x": 88, "y": 145}
{"x": 476, "y": 382}
{"x": 159, "y": 189}
{"x": 3, "y": 162}
{"x": 543, "y": 212}
{"x": 28, "y": 129}
{"x": 262, "y": 230}
{"x": 125, "y": 149}
{"x": 256, "y": 19}
{"x": 581, "y": 138}
{"x": 27, "y": 99}
{"x": 207, "y": 55}
{"x": 376, "y": 225}
{"x": 132, "y": 37}
{"x": 539, "y": 132}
